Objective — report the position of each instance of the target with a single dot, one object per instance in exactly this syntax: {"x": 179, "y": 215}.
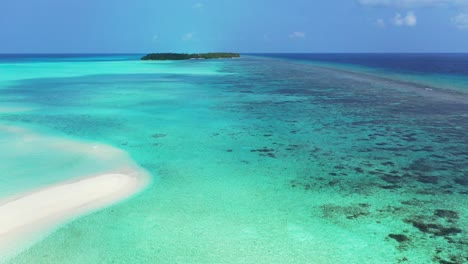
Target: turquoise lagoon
{"x": 253, "y": 160}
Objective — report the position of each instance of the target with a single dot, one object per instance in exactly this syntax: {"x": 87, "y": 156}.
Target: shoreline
{"x": 27, "y": 218}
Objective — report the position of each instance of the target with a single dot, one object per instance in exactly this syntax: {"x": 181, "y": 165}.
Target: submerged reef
{"x": 399, "y": 237}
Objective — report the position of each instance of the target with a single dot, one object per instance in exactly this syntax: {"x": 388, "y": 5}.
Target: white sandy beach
{"x": 24, "y": 217}
{"x": 28, "y": 215}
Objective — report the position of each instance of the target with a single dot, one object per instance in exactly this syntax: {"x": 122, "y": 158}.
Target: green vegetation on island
{"x": 186, "y": 56}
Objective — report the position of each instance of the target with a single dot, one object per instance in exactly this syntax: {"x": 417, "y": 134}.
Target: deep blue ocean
{"x": 412, "y": 63}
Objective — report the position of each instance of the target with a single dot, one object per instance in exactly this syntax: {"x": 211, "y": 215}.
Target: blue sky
{"x": 140, "y": 26}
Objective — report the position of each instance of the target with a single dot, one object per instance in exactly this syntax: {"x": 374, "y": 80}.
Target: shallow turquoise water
{"x": 255, "y": 160}
{"x": 30, "y": 160}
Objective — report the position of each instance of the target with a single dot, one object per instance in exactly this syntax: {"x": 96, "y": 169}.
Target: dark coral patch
{"x": 399, "y": 237}
{"x": 448, "y": 214}
{"x": 391, "y": 178}
{"x": 359, "y": 170}
{"x": 389, "y": 187}
{"x": 265, "y": 152}
{"x": 420, "y": 165}
{"x": 428, "y": 179}
{"x": 462, "y": 181}
{"x": 264, "y": 149}
{"x": 333, "y": 183}
{"x": 435, "y": 229}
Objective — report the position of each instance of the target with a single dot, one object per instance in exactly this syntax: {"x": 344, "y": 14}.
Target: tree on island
{"x": 186, "y": 56}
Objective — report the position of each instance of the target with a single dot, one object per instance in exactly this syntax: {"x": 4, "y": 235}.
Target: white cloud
{"x": 409, "y": 20}
{"x": 198, "y": 5}
{"x": 413, "y": 3}
{"x": 188, "y": 36}
{"x": 297, "y": 34}
{"x": 461, "y": 21}
{"x": 380, "y": 22}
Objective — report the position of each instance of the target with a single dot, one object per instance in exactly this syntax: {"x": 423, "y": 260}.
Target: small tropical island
{"x": 187, "y": 56}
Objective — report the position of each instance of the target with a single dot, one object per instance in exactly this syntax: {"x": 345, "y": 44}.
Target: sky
{"x": 257, "y": 26}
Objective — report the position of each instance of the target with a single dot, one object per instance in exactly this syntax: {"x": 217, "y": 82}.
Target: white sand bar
{"x": 23, "y": 217}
